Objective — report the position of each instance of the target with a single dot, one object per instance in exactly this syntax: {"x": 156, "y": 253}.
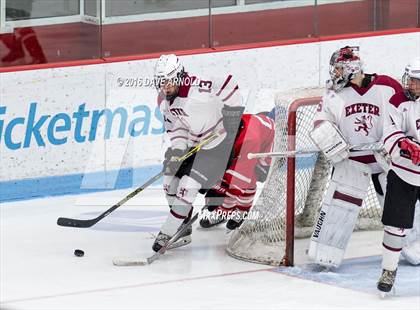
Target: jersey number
{"x": 205, "y": 86}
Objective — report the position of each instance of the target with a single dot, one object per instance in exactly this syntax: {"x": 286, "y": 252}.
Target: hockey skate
{"x": 211, "y": 218}
{"x": 236, "y": 221}
{"x": 162, "y": 239}
{"x": 184, "y": 239}
{"x": 232, "y": 224}
{"x": 386, "y": 282}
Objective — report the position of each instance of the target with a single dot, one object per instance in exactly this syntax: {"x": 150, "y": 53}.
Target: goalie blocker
{"x": 338, "y": 215}
{"x": 328, "y": 138}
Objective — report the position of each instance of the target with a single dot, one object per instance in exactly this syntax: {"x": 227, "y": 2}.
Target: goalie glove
{"x": 171, "y": 163}
{"x": 231, "y": 120}
{"x": 410, "y": 149}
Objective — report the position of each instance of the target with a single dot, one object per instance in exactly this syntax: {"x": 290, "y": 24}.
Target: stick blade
{"x": 67, "y": 222}
{"x": 130, "y": 261}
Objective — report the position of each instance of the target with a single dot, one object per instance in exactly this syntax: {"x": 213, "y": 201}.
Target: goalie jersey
{"x": 196, "y": 113}
{"x": 361, "y": 113}
{"x": 405, "y": 123}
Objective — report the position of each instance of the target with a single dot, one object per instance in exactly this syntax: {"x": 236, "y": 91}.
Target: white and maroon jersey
{"x": 196, "y": 113}
{"x": 360, "y": 113}
{"x": 405, "y": 123}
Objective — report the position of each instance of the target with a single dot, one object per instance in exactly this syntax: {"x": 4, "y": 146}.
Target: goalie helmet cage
{"x": 292, "y": 194}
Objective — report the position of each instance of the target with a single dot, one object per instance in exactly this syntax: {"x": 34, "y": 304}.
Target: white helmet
{"x": 412, "y": 71}
{"x": 345, "y": 63}
{"x": 168, "y": 68}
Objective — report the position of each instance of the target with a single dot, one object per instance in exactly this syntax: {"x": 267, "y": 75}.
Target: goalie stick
{"x": 360, "y": 147}
{"x": 69, "y": 222}
{"x": 157, "y": 255}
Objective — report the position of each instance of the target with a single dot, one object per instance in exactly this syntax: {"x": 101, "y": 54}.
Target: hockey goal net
{"x": 292, "y": 194}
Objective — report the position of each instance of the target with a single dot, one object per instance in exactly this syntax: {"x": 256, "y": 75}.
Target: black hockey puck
{"x": 79, "y": 253}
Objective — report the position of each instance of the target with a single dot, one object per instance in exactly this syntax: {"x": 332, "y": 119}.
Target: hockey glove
{"x": 231, "y": 120}
{"x": 261, "y": 172}
{"x": 410, "y": 149}
{"x": 171, "y": 164}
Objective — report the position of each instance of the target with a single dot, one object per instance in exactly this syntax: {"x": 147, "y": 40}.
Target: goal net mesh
{"x": 261, "y": 237}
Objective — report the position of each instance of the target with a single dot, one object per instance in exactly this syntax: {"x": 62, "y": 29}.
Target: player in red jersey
{"x": 232, "y": 198}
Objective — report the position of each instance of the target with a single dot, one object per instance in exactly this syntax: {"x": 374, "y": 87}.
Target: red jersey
{"x": 256, "y": 135}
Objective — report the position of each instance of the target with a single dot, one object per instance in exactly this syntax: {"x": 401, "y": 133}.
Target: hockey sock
{"x": 179, "y": 212}
{"x": 392, "y": 245}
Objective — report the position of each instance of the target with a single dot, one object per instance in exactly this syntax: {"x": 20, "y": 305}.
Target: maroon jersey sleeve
{"x": 398, "y": 98}
{"x": 389, "y": 81}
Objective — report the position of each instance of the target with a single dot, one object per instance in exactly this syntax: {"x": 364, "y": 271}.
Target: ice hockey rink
{"x": 40, "y": 271}
{"x": 81, "y": 125}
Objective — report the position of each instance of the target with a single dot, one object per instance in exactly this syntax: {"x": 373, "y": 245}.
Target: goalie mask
{"x": 168, "y": 75}
{"x": 345, "y": 64}
{"x": 411, "y": 79}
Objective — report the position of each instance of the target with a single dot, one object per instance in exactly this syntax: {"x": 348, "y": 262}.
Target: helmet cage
{"x": 412, "y": 71}
{"x": 344, "y": 65}
{"x": 409, "y": 92}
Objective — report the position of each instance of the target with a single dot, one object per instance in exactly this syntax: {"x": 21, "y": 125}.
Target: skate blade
{"x": 181, "y": 242}
{"x": 384, "y": 295}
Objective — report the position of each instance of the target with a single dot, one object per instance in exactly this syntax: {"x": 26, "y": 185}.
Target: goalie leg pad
{"x": 337, "y": 218}
{"x": 411, "y": 249}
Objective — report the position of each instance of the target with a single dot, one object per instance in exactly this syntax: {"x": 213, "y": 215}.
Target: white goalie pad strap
{"x": 411, "y": 249}
{"x": 338, "y": 215}
{"x": 328, "y": 138}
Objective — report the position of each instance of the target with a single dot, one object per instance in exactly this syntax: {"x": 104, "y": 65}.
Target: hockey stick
{"x": 376, "y": 146}
{"x": 63, "y": 221}
{"x": 157, "y": 255}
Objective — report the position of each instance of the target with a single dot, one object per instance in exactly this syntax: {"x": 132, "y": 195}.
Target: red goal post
{"x": 291, "y": 170}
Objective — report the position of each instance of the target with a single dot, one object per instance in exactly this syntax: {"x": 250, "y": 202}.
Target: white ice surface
{"x": 39, "y": 271}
